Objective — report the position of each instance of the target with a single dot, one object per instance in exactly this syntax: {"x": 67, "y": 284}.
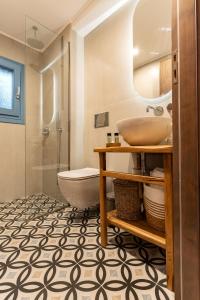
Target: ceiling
{"x": 151, "y": 31}
{"x": 18, "y": 16}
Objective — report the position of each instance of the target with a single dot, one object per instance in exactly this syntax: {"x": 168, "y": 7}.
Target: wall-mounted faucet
{"x": 169, "y": 109}
{"x": 158, "y": 110}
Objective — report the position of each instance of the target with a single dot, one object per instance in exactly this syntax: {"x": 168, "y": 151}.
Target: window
{"x": 11, "y": 91}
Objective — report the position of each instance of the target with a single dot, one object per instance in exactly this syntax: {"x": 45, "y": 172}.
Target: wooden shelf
{"x": 137, "y": 149}
{"x": 139, "y": 228}
{"x": 132, "y": 177}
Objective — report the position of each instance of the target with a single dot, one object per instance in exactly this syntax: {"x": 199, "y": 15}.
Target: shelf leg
{"x": 169, "y": 221}
{"x": 102, "y": 196}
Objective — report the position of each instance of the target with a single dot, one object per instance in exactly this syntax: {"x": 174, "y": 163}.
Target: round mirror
{"x": 152, "y": 66}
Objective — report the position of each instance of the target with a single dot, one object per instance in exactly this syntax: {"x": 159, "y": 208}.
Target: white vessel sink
{"x": 145, "y": 131}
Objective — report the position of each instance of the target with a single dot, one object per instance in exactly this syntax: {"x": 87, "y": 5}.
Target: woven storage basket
{"x": 155, "y": 214}
{"x": 127, "y": 199}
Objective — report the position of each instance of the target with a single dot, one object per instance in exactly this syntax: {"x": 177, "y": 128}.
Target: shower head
{"x": 34, "y": 42}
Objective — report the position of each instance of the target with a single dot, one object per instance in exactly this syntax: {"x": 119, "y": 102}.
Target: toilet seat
{"x": 79, "y": 174}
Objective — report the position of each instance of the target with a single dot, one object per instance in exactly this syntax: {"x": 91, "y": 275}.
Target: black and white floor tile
{"x": 58, "y": 256}
{"x": 30, "y": 208}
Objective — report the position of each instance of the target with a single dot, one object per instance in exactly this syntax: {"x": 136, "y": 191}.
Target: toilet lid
{"x": 79, "y": 174}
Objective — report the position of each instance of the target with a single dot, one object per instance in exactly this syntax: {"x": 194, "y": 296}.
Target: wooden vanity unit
{"x": 141, "y": 228}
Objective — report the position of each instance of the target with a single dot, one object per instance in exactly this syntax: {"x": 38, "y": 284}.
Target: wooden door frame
{"x": 186, "y": 131}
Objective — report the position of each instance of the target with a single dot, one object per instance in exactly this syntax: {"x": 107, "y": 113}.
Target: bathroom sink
{"x": 145, "y": 131}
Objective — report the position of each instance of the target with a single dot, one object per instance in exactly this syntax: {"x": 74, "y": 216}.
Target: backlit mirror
{"x": 152, "y": 71}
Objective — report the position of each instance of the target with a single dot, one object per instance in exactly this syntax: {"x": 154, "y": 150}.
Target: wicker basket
{"x": 155, "y": 214}
{"x": 127, "y": 199}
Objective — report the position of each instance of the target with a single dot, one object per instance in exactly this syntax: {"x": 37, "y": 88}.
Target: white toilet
{"x": 80, "y": 187}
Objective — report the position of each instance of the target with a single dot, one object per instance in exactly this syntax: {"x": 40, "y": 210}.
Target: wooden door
{"x": 186, "y": 120}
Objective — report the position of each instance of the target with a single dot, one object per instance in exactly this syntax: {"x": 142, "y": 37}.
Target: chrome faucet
{"x": 169, "y": 109}
{"x": 158, "y": 110}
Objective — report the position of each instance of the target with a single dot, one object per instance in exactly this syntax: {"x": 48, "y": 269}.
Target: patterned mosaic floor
{"x": 59, "y": 256}
{"x": 30, "y": 208}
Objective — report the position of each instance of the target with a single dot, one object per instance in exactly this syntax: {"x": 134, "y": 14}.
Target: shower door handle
{"x": 46, "y": 131}
{"x": 18, "y": 93}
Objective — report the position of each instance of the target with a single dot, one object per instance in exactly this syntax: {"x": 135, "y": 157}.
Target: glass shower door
{"x": 55, "y": 123}
{"x": 47, "y": 115}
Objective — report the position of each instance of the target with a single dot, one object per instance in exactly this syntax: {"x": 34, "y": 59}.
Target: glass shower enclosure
{"x": 47, "y": 110}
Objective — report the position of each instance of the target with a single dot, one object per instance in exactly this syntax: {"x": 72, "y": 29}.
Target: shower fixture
{"x": 35, "y": 42}
{"x": 158, "y": 110}
{"x": 46, "y": 131}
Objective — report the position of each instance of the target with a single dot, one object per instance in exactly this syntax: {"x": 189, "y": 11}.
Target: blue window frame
{"x": 11, "y": 91}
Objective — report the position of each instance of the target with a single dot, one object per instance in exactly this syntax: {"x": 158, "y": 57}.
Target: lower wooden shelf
{"x": 139, "y": 228}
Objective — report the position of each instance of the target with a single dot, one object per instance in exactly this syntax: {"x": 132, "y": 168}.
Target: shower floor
{"x": 54, "y": 255}
{"x": 30, "y": 208}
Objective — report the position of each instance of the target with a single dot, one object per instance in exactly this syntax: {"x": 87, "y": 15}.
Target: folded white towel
{"x": 157, "y": 172}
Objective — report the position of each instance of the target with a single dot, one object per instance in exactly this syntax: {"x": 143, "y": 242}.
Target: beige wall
{"x": 12, "y": 161}
{"x": 13, "y": 136}
{"x": 109, "y": 83}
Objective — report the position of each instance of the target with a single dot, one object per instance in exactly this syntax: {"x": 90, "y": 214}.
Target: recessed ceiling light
{"x": 136, "y": 51}
{"x": 166, "y": 29}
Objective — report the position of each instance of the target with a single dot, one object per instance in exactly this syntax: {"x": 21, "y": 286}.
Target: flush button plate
{"x": 101, "y": 120}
